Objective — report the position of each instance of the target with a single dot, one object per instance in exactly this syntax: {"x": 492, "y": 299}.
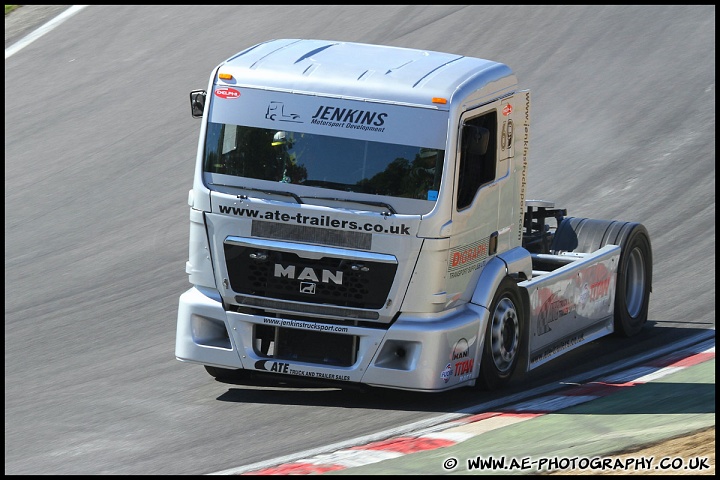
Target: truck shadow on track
{"x": 667, "y": 398}
{"x": 658, "y": 399}
{"x": 664, "y": 398}
{"x": 279, "y": 393}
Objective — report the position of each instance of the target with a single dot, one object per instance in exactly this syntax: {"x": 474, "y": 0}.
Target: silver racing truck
{"x": 358, "y": 217}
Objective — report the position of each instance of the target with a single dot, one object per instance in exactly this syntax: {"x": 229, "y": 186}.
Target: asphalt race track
{"x": 99, "y": 158}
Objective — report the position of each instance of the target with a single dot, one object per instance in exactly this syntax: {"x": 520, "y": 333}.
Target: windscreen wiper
{"x": 391, "y": 210}
{"x": 262, "y": 190}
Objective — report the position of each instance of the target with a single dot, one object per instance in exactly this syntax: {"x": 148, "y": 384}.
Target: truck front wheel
{"x": 503, "y": 336}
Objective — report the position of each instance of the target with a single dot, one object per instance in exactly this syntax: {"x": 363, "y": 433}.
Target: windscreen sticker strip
{"x": 362, "y": 120}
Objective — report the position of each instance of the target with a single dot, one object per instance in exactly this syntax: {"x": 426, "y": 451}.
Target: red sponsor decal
{"x": 507, "y": 110}
{"x": 599, "y": 289}
{"x": 553, "y": 306}
{"x": 473, "y": 253}
{"x": 464, "y": 367}
{"x": 227, "y": 93}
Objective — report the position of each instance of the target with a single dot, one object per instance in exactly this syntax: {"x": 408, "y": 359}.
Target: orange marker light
{"x": 439, "y": 100}
{"x": 225, "y": 76}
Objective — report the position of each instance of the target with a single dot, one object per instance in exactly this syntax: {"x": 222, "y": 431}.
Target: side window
{"x": 477, "y": 157}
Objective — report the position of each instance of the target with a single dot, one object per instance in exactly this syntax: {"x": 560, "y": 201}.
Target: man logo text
{"x": 308, "y": 274}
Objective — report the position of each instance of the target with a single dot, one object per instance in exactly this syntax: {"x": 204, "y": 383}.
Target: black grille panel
{"x": 305, "y": 346}
{"x": 328, "y": 280}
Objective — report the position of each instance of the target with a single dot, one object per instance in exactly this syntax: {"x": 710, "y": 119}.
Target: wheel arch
{"x": 516, "y": 263}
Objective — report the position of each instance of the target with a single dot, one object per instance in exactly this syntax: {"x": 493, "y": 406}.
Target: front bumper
{"x": 433, "y": 352}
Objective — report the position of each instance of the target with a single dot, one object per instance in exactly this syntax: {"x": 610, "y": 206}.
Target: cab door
{"x": 488, "y": 207}
{"x": 476, "y": 199}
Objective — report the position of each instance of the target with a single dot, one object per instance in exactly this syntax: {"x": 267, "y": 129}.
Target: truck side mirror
{"x": 197, "y": 103}
{"x": 476, "y": 140}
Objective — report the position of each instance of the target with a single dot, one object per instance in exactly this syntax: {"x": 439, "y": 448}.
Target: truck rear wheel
{"x": 503, "y": 336}
{"x": 634, "y": 273}
{"x": 632, "y": 290}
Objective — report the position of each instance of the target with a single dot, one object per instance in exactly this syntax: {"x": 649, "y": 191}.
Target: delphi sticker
{"x": 227, "y": 93}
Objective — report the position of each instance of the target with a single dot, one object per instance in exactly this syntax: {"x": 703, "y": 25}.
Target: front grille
{"x": 307, "y": 346}
{"x": 329, "y": 280}
{"x": 302, "y": 233}
{"x": 321, "y": 311}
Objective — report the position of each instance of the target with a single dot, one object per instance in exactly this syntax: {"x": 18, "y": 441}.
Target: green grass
{"x": 10, "y": 8}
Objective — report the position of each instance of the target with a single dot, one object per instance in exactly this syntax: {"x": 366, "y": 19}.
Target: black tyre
{"x": 632, "y": 290}
{"x": 634, "y": 273}
{"x": 503, "y": 337}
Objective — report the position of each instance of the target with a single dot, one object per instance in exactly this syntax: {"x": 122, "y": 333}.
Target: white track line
{"x": 28, "y": 39}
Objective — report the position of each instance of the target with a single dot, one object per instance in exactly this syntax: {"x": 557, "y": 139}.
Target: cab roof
{"x": 364, "y": 71}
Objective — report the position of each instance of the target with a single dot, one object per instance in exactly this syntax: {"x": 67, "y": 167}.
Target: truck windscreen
{"x": 329, "y": 162}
